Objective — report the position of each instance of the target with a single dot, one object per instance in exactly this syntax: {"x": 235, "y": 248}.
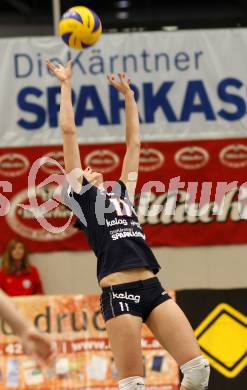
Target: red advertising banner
{"x": 197, "y": 194}
{"x": 84, "y": 357}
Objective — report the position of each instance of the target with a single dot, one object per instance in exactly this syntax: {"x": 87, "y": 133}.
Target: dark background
{"x": 34, "y": 17}
{"x": 190, "y": 302}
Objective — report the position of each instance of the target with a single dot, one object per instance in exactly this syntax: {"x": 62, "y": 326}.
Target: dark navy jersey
{"x": 112, "y": 228}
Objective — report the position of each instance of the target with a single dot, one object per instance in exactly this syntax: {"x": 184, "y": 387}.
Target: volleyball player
{"x": 126, "y": 266}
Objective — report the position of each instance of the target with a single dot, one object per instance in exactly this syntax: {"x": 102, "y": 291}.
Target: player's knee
{"x": 132, "y": 383}
{"x": 196, "y": 374}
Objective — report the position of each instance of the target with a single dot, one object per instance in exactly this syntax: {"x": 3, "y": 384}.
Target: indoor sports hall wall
{"x": 182, "y": 268}
{"x": 191, "y": 93}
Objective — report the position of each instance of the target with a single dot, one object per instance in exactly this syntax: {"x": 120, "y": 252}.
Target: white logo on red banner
{"x": 102, "y": 160}
{"x": 26, "y": 283}
{"x": 23, "y": 222}
{"x": 13, "y": 164}
{"x": 150, "y": 159}
{"x": 234, "y": 156}
{"x": 52, "y": 168}
{"x": 191, "y": 157}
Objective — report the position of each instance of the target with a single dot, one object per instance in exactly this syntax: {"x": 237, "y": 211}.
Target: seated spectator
{"x": 17, "y": 275}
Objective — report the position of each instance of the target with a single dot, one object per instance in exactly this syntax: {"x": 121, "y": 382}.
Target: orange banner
{"x": 84, "y": 357}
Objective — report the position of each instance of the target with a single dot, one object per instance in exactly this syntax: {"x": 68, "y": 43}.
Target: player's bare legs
{"x": 124, "y": 333}
{"x": 174, "y": 332}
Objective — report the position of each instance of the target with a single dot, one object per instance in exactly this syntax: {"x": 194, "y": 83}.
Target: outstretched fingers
{"x": 54, "y": 67}
{"x": 110, "y": 77}
{"x": 69, "y": 64}
{"x": 121, "y": 77}
{"x": 120, "y": 83}
{"x": 112, "y": 80}
{"x": 50, "y": 65}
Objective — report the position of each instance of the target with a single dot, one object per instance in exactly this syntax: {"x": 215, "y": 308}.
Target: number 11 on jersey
{"x": 124, "y": 306}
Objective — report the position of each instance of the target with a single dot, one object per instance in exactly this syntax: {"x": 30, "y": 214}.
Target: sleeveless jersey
{"x": 112, "y": 228}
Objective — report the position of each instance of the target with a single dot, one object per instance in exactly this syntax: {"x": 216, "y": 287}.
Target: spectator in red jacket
{"x": 18, "y": 276}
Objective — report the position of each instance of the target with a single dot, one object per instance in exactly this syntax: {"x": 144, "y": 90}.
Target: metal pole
{"x": 56, "y": 8}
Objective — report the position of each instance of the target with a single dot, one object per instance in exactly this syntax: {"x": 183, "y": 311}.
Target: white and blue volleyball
{"x": 80, "y": 27}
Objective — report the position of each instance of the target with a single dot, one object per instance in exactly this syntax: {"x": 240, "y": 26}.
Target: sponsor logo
{"x": 24, "y": 223}
{"x": 221, "y": 337}
{"x": 230, "y": 210}
{"x": 234, "y": 156}
{"x": 125, "y": 295}
{"x": 129, "y": 233}
{"x": 102, "y": 160}
{"x": 150, "y": 159}
{"x": 116, "y": 221}
{"x": 135, "y": 223}
{"x": 191, "y": 157}
{"x": 49, "y": 166}
{"x": 26, "y": 283}
{"x": 13, "y": 164}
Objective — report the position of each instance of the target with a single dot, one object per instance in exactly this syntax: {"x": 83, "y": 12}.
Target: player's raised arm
{"x": 132, "y": 134}
{"x": 72, "y": 158}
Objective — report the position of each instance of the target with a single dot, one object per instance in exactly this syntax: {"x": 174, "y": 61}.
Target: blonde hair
{"x": 9, "y": 263}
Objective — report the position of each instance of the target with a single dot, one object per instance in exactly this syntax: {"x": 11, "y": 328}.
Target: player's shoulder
{"x": 74, "y": 191}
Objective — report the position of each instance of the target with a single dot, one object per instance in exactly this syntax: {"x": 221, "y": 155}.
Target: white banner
{"x": 189, "y": 85}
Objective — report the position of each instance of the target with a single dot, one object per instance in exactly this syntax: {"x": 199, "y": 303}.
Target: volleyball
{"x": 80, "y": 27}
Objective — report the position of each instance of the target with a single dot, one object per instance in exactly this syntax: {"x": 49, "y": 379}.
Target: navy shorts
{"x": 136, "y": 298}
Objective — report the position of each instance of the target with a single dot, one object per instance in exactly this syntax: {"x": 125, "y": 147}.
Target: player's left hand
{"x": 62, "y": 73}
{"x": 123, "y": 85}
{"x": 39, "y": 346}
